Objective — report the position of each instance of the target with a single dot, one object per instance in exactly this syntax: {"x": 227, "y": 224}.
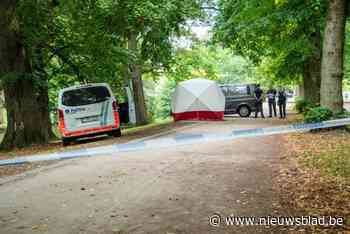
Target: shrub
{"x": 302, "y": 105}
{"x": 317, "y": 114}
{"x": 342, "y": 115}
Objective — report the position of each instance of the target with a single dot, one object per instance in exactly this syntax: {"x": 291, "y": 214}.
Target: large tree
{"x": 150, "y": 26}
{"x": 48, "y": 44}
{"x": 22, "y": 78}
{"x": 287, "y": 33}
{"x": 333, "y": 56}
{"x": 42, "y": 43}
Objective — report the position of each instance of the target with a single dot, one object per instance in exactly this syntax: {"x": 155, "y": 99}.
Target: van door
{"x": 87, "y": 108}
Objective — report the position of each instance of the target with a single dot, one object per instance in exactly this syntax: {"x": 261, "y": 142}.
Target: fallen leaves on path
{"x": 17, "y": 169}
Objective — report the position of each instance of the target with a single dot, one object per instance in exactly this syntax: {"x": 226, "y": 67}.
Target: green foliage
{"x": 341, "y": 115}
{"x": 198, "y": 61}
{"x": 210, "y": 62}
{"x": 83, "y": 46}
{"x": 158, "y": 98}
{"x": 302, "y": 105}
{"x": 233, "y": 69}
{"x": 164, "y": 99}
{"x": 283, "y": 32}
{"x": 72, "y": 42}
{"x": 269, "y": 74}
{"x": 154, "y": 22}
{"x": 317, "y": 114}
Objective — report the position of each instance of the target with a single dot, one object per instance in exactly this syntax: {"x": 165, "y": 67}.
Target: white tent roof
{"x": 197, "y": 95}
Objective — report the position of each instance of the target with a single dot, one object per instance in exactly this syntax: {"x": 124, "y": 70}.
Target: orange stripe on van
{"x": 87, "y": 131}
{"x": 116, "y": 118}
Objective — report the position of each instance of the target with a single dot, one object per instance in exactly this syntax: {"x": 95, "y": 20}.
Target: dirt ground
{"x": 172, "y": 190}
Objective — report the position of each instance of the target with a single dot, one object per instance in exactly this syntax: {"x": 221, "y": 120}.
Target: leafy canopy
{"x": 283, "y": 31}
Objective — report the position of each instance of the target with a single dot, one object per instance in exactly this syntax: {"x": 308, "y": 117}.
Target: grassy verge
{"x": 128, "y": 133}
{"x": 315, "y": 178}
{"x": 128, "y": 129}
{"x": 332, "y": 163}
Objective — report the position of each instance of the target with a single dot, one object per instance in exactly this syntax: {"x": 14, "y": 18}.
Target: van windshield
{"x": 85, "y": 96}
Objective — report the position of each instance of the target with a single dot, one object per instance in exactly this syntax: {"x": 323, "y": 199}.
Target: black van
{"x": 239, "y": 99}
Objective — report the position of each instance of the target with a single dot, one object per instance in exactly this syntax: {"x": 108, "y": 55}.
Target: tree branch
{"x": 58, "y": 52}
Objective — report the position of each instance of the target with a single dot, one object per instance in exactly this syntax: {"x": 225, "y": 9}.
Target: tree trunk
{"x": 332, "y": 56}
{"x": 312, "y": 80}
{"x": 312, "y": 71}
{"x": 27, "y": 123}
{"x": 43, "y": 105}
{"x": 38, "y": 65}
{"x": 137, "y": 85}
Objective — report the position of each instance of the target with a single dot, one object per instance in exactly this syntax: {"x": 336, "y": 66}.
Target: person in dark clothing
{"x": 271, "y": 97}
{"x": 282, "y": 102}
{"x": 258, "y": 94}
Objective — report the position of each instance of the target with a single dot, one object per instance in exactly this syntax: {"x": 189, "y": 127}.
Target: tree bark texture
{"x": 137, "y": 85}
{"x": 333, "y": 56}
{"x": 312, "y": 71}
{"x": 27, "y": 117}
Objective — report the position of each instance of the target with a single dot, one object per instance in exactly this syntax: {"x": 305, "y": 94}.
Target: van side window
{"x": 231, "y": 91}
{"x": 241, "y": 90}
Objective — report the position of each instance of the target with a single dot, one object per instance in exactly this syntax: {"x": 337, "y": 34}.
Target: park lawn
{"x": 315, "y": 177}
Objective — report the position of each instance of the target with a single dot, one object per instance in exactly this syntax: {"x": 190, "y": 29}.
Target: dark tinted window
{"x": 237, "y": 90}
{"x": 85, "y": 96}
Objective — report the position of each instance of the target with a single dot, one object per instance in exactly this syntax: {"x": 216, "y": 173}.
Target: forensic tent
{"x": 198, "y": 99}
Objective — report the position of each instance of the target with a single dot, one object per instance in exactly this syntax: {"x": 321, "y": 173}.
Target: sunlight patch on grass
{"x": 131, "y": 129}
{"x": 335, "y": 163}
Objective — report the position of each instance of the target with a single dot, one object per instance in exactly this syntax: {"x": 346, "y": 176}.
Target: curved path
{"x": 171, "y": 190}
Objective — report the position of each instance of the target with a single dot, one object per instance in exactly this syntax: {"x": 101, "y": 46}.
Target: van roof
{"x": 83, "y": 86}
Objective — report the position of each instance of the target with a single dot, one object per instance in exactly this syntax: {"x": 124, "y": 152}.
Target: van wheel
{"x": 66, "y": 141}
{"x": 117, "y": 133}
{"x": 244, "y": 111}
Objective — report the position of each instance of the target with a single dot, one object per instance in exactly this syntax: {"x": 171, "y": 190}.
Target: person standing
{"x": 258, "y": 94}
{"x": 282, "y": 103}
{"x": 271, "y": 97}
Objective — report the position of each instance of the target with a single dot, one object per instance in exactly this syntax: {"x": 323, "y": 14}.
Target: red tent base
{"x": 199, "y": 115}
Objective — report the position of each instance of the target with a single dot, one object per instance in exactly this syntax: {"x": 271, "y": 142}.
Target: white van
{"x": 87, "y": 110}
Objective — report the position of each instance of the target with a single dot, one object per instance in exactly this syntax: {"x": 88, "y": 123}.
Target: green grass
{"x": 335, "y": 163}
{"x": 127, "y": 129}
